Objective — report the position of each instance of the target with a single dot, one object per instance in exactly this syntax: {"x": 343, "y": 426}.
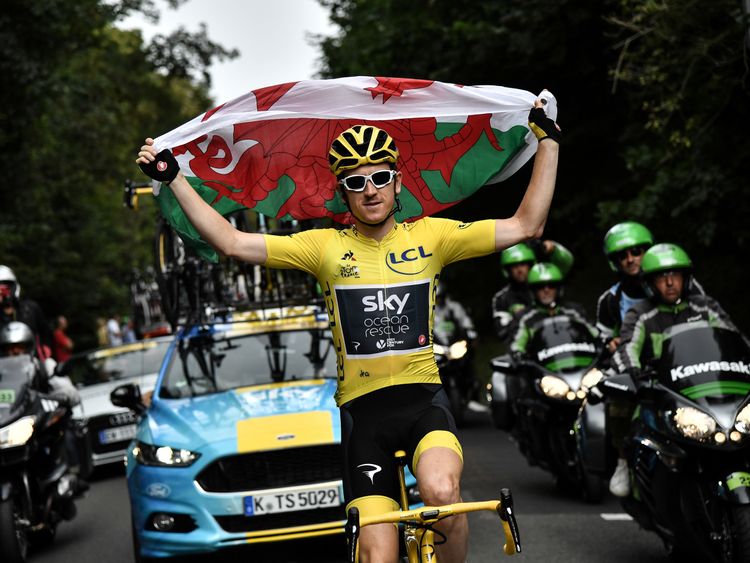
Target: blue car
{"x": 241, "y": 442}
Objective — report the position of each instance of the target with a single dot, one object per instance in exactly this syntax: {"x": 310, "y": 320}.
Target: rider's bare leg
{"x": 378, "y": 544}
{"x": 439, "y": 477}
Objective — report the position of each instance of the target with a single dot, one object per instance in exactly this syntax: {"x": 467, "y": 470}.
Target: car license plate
{"x": 290, "y": 500}
{"x": 117, "y": 434}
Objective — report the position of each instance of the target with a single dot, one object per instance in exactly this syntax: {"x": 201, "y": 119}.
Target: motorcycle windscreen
{"x": 16, "y": 374}
{"x": 704, "y": 364}
{"x": 563, "y": 345}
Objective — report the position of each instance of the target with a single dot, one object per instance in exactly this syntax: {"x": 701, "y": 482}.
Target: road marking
{"x": 614, "y": 516}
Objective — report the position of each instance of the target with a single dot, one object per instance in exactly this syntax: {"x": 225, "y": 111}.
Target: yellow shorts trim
{"x": 373, "y": 505}
{"x": 437, "y": 439}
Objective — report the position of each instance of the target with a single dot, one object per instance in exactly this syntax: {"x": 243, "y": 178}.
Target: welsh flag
{"x": 268, "y": 150}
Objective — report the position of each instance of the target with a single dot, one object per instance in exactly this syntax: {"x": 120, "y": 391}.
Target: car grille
{"x": 236, "y": 524}
{"x": 272, "y": 469}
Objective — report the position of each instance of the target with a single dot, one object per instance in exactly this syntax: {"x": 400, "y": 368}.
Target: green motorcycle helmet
{"x": 664, "y": 257}
{"x": 622, "y": 236}
{"x": 520, "y": 253}
{"x": 544, "y": 273}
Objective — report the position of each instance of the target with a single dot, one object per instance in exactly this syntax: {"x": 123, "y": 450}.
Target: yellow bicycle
{"x": 416, "y": 526}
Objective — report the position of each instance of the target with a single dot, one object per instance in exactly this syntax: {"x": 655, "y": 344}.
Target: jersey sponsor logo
{"x": 370, "y": 470}
{"x": 377, "y": 320}
{"x": 349, "y": 271}
{"x": 399, "y": 262}
{"x": 462, "y": 226}
{"x": 681, "y": 372}
{"x": 566, "y": 348}
{"x": 349, "y": 256}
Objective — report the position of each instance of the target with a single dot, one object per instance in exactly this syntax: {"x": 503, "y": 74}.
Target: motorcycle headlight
{"x": 693, "y": 423}
{"x": 458, "y": 350}
{"x": 743, "y": 420}
{"x": 592, "y": 377}
{"x": 163, "y": 456}
{"x": 554, "y": 387}
{"x": 18, "y": 433}
{"x": 438, "y": 349}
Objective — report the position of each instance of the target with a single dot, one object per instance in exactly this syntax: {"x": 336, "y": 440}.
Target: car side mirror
{"x": 128, "y": 396}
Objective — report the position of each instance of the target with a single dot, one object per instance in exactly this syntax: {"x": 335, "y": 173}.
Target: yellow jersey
{"x": 380, "y": 295}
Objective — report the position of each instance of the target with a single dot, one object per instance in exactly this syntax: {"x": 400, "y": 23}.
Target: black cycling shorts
{"x": 411, "y": 417}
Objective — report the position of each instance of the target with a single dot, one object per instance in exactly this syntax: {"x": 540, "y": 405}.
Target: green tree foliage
{"x": 78, "y": 97}
{"x": 653, "y": 99}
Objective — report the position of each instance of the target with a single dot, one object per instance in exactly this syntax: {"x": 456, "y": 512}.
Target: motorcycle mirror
{"x": 128, "y": 396}
{"x": 618, "y": 387}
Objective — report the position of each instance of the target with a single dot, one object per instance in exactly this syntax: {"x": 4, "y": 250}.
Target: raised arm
{"x": 531, "y": 215}
{"x": 249, "y": 247}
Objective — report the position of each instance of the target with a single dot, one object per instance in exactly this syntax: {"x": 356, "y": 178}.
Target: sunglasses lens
{"x": 381, "y": 178}
{"x": 355, "y": 183}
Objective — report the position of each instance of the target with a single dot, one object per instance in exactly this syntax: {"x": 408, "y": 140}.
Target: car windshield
{"x": 211, "y": 363}
{"x": 122, "y": 362}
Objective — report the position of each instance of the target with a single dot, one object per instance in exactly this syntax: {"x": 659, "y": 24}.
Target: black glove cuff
{"x": 543, "y": 127}
{"x": 163, "y": 169}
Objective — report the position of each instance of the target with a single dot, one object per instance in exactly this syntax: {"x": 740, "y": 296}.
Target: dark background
{"x": 653, "y": 102}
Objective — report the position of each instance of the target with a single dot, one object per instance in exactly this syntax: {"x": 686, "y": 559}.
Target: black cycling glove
{"x": 543, "y": 127}
{"x": 163, "y": 169}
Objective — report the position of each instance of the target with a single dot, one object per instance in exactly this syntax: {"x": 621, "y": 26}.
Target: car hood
{"x": 263, "y": 417}
{"x": 95, "y": 398}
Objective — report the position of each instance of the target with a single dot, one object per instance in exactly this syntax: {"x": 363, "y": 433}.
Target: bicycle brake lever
{"x": 505, "y": 511}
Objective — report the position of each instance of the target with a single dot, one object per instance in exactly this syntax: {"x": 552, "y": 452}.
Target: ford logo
{"x": 158, "y": 490}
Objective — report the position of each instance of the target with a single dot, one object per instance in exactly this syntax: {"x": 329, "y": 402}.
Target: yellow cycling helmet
{"x": 361, "y": 144}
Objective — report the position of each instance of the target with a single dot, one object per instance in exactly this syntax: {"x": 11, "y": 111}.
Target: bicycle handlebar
{"x": 431, "y": 514}
{"x": 132, "y": 191}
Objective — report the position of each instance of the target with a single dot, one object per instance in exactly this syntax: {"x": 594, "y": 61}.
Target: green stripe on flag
{"x": 276, "y": 197}
{"x": 716, "y": 388}
{"x": 572, "y": 362}
{"x": 480, "y": 163}
{"x": 174, "y": 215}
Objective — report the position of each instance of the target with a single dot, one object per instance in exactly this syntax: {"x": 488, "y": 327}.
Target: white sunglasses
{"x": 358, "y": 182}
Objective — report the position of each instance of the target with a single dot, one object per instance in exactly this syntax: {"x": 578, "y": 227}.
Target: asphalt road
{"x": 554, "y": 527}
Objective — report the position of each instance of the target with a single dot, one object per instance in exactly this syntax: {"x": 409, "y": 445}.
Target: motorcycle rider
{"x": 546, "y": 284}
{"x": 509, "y": 303}
{"x": 452, "y": 323}
{"x": 667, "y": 279}
{"x": 13, "y": 307}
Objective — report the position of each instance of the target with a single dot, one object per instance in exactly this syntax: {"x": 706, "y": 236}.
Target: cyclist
{"x": 514, "y": 298}
{"x": 378, "y": 278}
{"x": 667, "y": 274}
{"x": 546, "y": 284}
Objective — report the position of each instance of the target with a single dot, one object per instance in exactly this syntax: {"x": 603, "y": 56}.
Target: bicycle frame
{"x": 418, "y": 535}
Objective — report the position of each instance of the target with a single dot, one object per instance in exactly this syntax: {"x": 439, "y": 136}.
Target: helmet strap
{"x": 396, "y": 208}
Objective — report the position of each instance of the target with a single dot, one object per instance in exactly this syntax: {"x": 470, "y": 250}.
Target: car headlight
{"x": 554, "y": 386}
{"x": 592, "y": 377}
{"x": 693, "y": 423}
{"x": 458, "y": 350}
{"x": 18, "y": 433}
{"x": 163, "y": 456}
{"x": 743, "y": 420}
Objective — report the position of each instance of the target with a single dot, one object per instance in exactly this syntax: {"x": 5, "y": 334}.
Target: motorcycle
{"x": 537, "y": 400}
{"x": 36, "y": 487}
{"x": 688, "y": 449}
{"x": 454, "y": 358}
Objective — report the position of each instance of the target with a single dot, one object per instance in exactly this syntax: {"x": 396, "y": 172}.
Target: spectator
{"x": 63, "y": 345}
{"x": 114, "y": 335}
{"x": 101, "y": 332}
{"x": 128, "y": 332}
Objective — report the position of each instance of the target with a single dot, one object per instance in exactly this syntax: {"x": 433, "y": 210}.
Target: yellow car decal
{"x": 284, "y": 431}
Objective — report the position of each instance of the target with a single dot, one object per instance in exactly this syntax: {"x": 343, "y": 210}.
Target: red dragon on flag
{"x": 268, "y": 150}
